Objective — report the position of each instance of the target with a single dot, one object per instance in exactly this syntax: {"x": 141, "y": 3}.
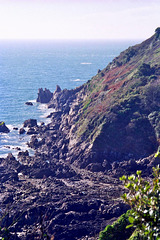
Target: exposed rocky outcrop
{"x": 30, "y": 123}
{"x": 21, "y": 131}
{"x": 108, "y": 127}
{"x": 4, "y": 128}
{"x": 44, "y": 96}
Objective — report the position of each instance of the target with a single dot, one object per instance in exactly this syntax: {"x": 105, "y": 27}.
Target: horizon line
{"x": 70, "y": 39}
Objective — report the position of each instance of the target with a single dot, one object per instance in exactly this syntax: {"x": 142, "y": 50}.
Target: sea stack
{"x": 4, "y": 128}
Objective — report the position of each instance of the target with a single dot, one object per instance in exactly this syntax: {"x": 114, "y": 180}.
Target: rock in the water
{"x": 21, "y": 131}
{"x": 30, "y": 123}
{"x": 29, "y": 103}
{"x": 4, "y": 128}
{"x": 44, "y": 96}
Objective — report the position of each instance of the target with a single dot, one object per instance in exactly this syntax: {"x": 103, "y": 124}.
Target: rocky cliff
{"x": 115, "y": 115}
{"x": 97, "y": 132}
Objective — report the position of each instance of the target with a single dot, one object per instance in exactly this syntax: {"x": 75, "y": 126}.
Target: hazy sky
{"x": 78, "y": 19}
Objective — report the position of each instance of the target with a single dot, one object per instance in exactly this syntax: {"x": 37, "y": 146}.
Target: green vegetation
{"x": 4, "y": 234}
{"x": 144, "y": 199}
{"x": 142, "y": 222}
{"x": 118, "y": 230}
{"x": 1, "y": 123}
{"x": 87, "y": 104}
{"x": 145, "y": 70}
{"x": 157, "y": 31}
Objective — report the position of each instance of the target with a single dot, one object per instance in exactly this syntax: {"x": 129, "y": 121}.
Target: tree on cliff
{"x": 157, "y": 31}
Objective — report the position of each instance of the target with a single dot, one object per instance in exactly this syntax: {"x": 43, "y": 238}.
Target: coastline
{"x": 13, "y": 142}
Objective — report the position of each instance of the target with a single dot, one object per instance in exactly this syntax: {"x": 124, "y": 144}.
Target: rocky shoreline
{"x": 51, "y": 192}
{"x": 46, "y": 193}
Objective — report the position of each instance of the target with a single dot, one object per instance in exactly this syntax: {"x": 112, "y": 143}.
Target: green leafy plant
{"x": 144, "y": 199}
{"x": 117, "y": 231}
{"x": 1, "y": 123}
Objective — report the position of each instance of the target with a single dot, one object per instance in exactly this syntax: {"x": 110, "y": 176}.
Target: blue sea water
{"x": 26, "y": 66}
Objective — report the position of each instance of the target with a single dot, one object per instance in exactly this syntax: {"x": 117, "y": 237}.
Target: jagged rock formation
{"x": 99, "y": 131}
{"x": 4, "y": 128}
{"x": 44, "y": 96}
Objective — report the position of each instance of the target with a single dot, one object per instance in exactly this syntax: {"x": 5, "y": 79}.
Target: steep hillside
{"x": 115, "y": 115}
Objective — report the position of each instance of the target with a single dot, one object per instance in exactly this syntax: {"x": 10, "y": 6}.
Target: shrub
{"x": 157, "y": 31}
{"x": 118, "y": 230}
{"x": 144, "y": 199}
{"x": 145, "y": 70}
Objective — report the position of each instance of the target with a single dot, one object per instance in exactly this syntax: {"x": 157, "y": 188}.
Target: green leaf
{"x": 131, "y": 219}
{"x": 129, "y": 226}
{"x": 123, "y": 178}
{"x": 124, "y": 196}
{"x": 139, "y": 172}
{"x": 132, "y": 177}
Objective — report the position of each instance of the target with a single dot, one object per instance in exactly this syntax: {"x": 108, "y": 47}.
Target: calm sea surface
{"x": 26, "y": 66}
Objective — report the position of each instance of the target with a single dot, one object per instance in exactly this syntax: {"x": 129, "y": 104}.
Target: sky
{"x": 78, "y": 19}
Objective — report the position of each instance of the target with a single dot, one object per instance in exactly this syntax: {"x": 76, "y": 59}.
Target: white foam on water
{"x": 13, "y": 142}
{"x": 4, "y": 140}
{"x": 42, "y": 106}
{"x": 32, "y": 101}
{"x": 86, "y": 63}
{"x": 76, "y": 80}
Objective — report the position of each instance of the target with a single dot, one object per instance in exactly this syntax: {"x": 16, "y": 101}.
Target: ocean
{"x": 26, "y": 66}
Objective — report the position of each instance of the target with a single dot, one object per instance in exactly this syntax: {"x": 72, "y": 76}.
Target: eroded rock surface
{"x": 44, "y": 96}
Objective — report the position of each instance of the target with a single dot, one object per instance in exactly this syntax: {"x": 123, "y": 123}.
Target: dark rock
{"x": 26, "y": 153}
{"x": 58, "y": 89}
{"x": 29, "y": 103}
{"x": 4, "y": 128}
{"x": 95, "y": 167}
{"x": 42, "y": 173}
{"x": 21, "y": 131}
{"x": 30, "y": 123}
{"x": 34, "y": 143}
{"x": 15, "y": 128}
{"x": 32, "y": 131}
{"x": 8, "y": 199}
{"x": 10, "y": 157}
{"x": 44, "y": 96}
{"x": 18, "y": 148}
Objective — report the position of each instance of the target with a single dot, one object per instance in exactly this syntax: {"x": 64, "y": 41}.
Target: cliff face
{"x": 115, "y": 115}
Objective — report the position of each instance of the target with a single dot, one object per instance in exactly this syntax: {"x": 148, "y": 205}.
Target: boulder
{"x": 32, "y": 131}
{"x": 23, "y": 153}
{"x": 29, "y": 103}
{"x": 4, "y": 128}
{"x": 44, "y": 96}
{"x": 30, "y": 123}
{"x": 21, "y": 131}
